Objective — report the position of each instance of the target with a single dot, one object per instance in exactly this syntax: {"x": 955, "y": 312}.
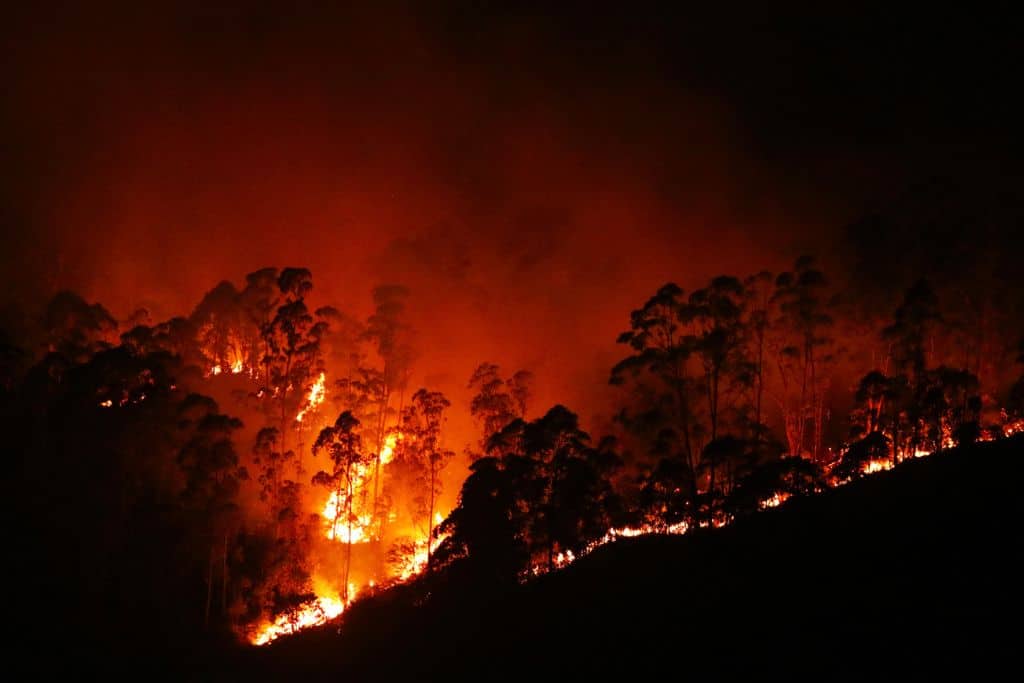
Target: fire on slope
{"x": 327, "y": 607}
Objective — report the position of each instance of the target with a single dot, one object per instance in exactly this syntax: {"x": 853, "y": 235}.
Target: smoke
{"x": 530, "y": 185}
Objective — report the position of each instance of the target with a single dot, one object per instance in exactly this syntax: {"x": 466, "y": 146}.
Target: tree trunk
{"x": 224, "y": 578}
{"x": 430, "y": 516}
{"x": 209, "y": 588}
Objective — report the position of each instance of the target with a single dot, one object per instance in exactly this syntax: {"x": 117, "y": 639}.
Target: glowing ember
{"x": 315, "y": 397}
{"x": 106, "y": 404}
{"x": 215, "y": 370}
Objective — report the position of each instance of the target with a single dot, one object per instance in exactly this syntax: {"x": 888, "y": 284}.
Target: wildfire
{"x": 313, "y": 613}
{"x": 315, "y": 396}
{"x": 775, "y": 501}
{"x": 329, "y": 606}
{"x": 362, "y": 522}
{"x": 416, "y": 561}
{"x": 878, "y": 466}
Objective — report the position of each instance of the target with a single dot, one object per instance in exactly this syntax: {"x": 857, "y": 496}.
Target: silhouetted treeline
{"x": 170, "y": 474}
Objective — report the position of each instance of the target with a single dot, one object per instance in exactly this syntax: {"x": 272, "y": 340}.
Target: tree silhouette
{"x": 497, "y": 401}
{"x": 664, "y": 391}
{"x": 294, "y": 360}
{"x": 390, "y": 332}
{"x": 483, "y": 531}
{"x": 210, "y": 465}
{"x": 803, "y": 349}
{"x": 875, "y": 446}
{"x": 76, "y": 329}
{"x": 421, "y": 456}
{"x": 767, "y": 481}
{"x": 219, "y": 321}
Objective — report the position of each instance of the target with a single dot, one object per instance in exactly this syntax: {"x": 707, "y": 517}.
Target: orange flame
{"x": 315, "y": 397}
{"x": 313, "y": 613}
{"x": 337, "y": 525}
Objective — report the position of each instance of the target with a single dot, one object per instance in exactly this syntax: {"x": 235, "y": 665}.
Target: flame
{"x": 313, "y": 613}
{"x": 873, "y": 466}
{"x": 416, "y": 562}
{"x": 315, "y": 396}
{"x": 237, "y": 366}
{"x": 775, "y": 501}
{"x": 327, "y": 605}
{"x": 106, "y": 404}
{"x": 333, "y": 511}
{"x": 215, "y": 370}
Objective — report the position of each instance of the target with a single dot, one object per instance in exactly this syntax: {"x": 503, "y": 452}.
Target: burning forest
{"x": 298, "y": 469}
{"x": 331, "y": 327}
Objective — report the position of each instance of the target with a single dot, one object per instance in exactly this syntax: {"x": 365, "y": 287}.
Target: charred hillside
{"x": 912, "y": 571}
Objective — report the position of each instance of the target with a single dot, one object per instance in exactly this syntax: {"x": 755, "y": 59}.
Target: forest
{"x": 253, "y": 468}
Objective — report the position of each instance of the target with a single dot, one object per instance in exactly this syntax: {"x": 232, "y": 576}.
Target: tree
{"x": 911, "y": 332}
{"x": 497, "y": 401}
{"x": 259, "y": 300}
{"x": 210, "y": 466}
{"x": 664, "y": 391}
{"x": 758, "y": 294}
{"x": 293, "y": 359}
{"x": 804, "y": 351}
{"x": 774, "y": 480}
{"x": 909, "y": 336}
{"x": 561, "y": 484}
{"x": 388, "y": 329}
{"x": 483, "y": 530}
{"x": 218, "y": 320}
{"x": 716, "y": 314}
{"x": 275, "y": 490}
{"x": 950, "y": 408}
{"x": 77, "y": 330}
{"x": 343, "y": 447}
{"x": 874, "y": 447}
{"x": 1015, "y": 401}
{"x": 422, "y": 456}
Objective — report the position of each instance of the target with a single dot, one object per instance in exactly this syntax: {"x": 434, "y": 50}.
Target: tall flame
{"x": 315, "y": 396}
{"x": 337, "y": 525}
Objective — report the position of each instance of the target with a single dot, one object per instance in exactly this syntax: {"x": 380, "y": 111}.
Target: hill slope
{"x": 912, "y": 571}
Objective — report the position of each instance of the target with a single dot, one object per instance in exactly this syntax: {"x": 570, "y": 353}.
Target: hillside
{"x": 912, "y": 571}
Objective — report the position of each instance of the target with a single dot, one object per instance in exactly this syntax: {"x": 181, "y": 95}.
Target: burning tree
{"x": 343, "y": 446}
{"x": 420, "y": 457}
{"x": 388, "y": 329}
{"x": 293, "y": 360}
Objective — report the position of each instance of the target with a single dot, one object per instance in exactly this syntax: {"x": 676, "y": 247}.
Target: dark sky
{"x": 532, "y": 175}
